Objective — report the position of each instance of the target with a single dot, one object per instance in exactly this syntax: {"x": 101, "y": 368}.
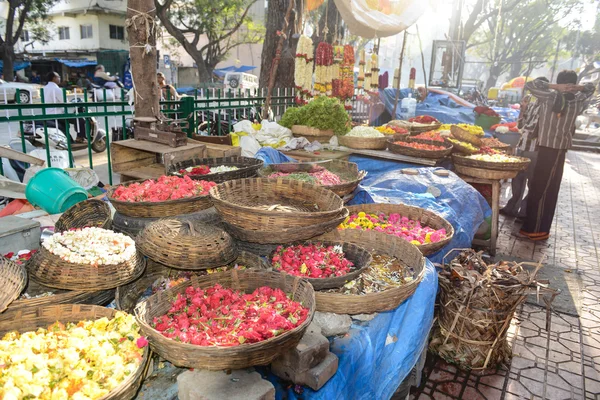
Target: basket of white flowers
{"x": 364, "y": 138}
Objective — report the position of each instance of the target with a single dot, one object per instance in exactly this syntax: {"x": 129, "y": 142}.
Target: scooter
{"x": 99, "y": 92}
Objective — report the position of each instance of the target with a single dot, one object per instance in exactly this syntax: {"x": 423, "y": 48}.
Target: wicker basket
{"x": 465, "y": 136}
{"x": 50, "y": 270}
{"x": 218, "y": 357}
{"x": 348, "y": 171}
{"x": 286, "y": 235}
{"x": 247, "y": 168}
{"x": 426, "y": 217}
{"x": 312, "y": 134}
{"x": 159, "y": 209}
{"x": 420, "y": 128}
{"x": 92, "y": 213}
{"x": 32, "y": 318}
{"x": 409, "y": 151}
{"x": 132, "y": 226}
{"x": 460, "y": 148}
{"x": 240, "y": 204}
{"x": 521, "y": 165}
{"x": 13, "y": 279}
{"x": 376, "y": 243}
{"x": 186, "y": 244}
{"x": 360, "y": 257}
{"x": 363, "y": 143}
{"x": 501, "y": 146}
{"x": 484, "y": 173}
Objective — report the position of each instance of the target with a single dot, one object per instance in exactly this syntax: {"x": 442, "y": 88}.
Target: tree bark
{"x": 8, "y": 58}
{"x": 140, "y": 16}
{"x": 495, "y": 72}
{"x": 329, "y": 18}
{"x": 515, "y": 69}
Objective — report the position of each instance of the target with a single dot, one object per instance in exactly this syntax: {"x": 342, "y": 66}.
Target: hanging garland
{"x": 347, "y": 77}
{"x": 303, "y": 69}
{"x": 361, "y": 70}
{"x": 368, "y": 74}
{"x": 324, "y": 69}
{"x": 374, "y": 72}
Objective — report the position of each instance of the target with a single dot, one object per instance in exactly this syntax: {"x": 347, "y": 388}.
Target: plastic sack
{"x": 85, "y": 177}
{"x": 249, "y": 146}
{"x": 271, "y": 156}
{"x": 271, "y": 133}
{"x": 379, "y": 18}
{"x": 244, "y": 126}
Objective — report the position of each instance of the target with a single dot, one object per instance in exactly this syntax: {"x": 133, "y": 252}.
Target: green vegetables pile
{"x": 322, "y": 113}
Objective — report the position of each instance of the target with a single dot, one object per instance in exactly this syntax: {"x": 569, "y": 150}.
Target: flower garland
{"x": 374, "y": 72}
{"x": 303, "y": 70}
{"x": 324, "y": 69}
{"x": 347, "y": 77}
{"x": 368, "y": 74}
{"x": 95, "y": 246}
{"x": 361, "y": 70}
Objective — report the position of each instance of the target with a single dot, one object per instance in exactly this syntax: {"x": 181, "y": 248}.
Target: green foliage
{"x": 322, "y": 113}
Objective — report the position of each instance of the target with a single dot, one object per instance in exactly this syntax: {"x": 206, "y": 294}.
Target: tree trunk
{"x": 141, "y": 15}
{"x": 495, "y": 72}
{"x": 274, "y": 23}
{"x": 515, "y": 69}
{"x": 8, "y": 58}
{"x": 329, "y": 19}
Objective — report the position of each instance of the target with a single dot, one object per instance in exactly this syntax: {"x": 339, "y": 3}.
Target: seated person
{"x": 102, "y": 79}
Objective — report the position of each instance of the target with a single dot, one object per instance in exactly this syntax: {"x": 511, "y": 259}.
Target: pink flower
{"x": 142, "y": 342}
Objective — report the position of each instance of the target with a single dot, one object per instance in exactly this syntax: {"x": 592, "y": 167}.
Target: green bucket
{"x": 485, "y": 121}
{"x": 54, "y": 191}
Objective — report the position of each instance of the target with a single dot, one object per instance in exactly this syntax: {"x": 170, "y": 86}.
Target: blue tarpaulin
{"x": 222, "y": 71}
{"x": 18, "y": 65}
{"x": 76, "y": 63}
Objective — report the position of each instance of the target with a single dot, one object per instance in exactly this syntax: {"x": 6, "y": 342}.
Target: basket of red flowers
{"x": 228, "y": 320}
{"x": 217, "y": 169}
{"x": 420, "y": 148}
{"x": 165, "y": 197}
{"x": 325, "y": 264}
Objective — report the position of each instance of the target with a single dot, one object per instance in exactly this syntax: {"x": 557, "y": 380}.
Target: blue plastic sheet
{"x": 271, "y": 156}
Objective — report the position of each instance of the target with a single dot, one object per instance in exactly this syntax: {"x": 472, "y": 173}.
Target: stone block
{"x": 333, "y": 324}
{"x": 242, "y": 384}
{"x": 364, "y": 317}
{"x": 310, "y": 351}
{"x": 314, "y": 378}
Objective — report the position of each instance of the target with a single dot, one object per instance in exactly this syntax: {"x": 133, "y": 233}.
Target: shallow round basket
{"x": 360, "y": 257}
{"x": 376, "y": 243}
{"x": 409, "y": 151}
{"x": 247, "y": 168}
{"x": 416, "y": 127}
{"x": 460, "y": 148}
{"x": 50, "y": 270}
{"x": 426, "y": 217}
{"x": 521, "y": 165}
{"x": 13, "y": 279}
{"x": 347, "y": 171}
{"x": 186, "y": 244}
{"x": 286, "y": 235}
{"x": 241, "y": 203}
{"x": 88, "y": 213}
{"x": 220, "y": 357}
{"x": 484, "y": 173}
{"x": 501, "y": 146}
{"x": 363, "y": 143}
{"x": 32, "y": 318}
{"x": 312, "y": 134}
{"x": 465, "y": 136}
{"x": 159, "y": 209}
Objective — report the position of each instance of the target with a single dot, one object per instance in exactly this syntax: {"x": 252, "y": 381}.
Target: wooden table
{"x": 496, "y": 185}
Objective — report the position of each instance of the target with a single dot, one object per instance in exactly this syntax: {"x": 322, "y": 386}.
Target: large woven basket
{"x": 465, "y": 136}
{"x": 32, "y": 318}
{"x": 247, "y": 168}
{"x": 50, "y": 270}
{"x": 92, "y": 213}
{"x": 241, "y": 204}
{"x": 218, "y": 357}
{"x": 360, "y": 257}
{"x": 186, "y": 244}
{"x": 419, "y": 128}
{"x": 363, "y": 143}
{"x": 159, "y": 209}
{"x": 484, "y": 173}
{"x": 426, "y": 217}
{"x": 286, "y": 235}
{"x": 13, "y": 279}
{"x": 312, "y": 134}
{"x": 127, "y": 296}
{"x": 376, "y": 243}
{"x": 409, "y": 151}
{"x": 347, "y": 171}
{"x": 460, "y": 148}
{"x": 521, "y": 165}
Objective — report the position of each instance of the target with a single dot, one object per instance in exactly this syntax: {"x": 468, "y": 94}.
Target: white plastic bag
{"x": 249, "y": 145}
{"x": 244, "y": 126}
{"x": 272, "y": 133}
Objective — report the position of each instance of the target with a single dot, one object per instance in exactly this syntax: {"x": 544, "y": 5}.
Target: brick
{"x": 242, "y": 384}
{"x": 310, "y": 351}
{"x": 314, "y": 378}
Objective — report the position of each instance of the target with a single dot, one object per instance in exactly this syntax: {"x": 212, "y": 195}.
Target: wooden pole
{"x": 141, "y": 29}
{"x": 275, "y": 65}
{"x": 399, "y": 73}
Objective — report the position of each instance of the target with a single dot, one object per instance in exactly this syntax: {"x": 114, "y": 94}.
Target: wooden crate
{"x": 222, "y": 150}
{"x": 172, "y": 139}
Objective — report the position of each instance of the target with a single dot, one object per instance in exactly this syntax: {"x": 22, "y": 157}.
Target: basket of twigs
{"x": 86, "y": 213}
{"x": 363, "y": 143}
{"x": 186, "y": 244}
{"x": 32, "y": 318}
{"x": 392, "y": 277}
{"x": 13, "y": 279}
{"x": 217, "y": 357}
{"x": 477, "y": 303}
{"x": 246, "y": 168}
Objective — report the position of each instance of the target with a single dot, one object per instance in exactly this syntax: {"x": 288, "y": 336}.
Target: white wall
{"x": 71, "y": 5}
{"x": 104, "y": 22}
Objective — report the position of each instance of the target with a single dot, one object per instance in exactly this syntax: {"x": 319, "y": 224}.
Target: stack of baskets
{"x": 88, "y": 213}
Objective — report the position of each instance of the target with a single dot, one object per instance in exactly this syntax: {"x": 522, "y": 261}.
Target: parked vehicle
{"x": 242, "y": 81}
{"x": 27, "y": 91}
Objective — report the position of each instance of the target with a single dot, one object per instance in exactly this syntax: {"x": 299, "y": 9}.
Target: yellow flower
{"x": 361, "y": 214}
{"x": 415, "y": 242}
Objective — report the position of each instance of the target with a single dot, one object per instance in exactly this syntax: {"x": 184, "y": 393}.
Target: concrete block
{"x": 314, "y": 378}
{"x": 364, "y": 317}
{"x": 310, "y": 351}
{"x": 243, "y": 384}
{"x": 333, "y": 324}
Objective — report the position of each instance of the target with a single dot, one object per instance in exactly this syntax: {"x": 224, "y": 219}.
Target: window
{"x": 63, "y": 33}
{"x": 117, "y": 32}
{"x": 24, "y": 36}
{"x": 86, "y": 31}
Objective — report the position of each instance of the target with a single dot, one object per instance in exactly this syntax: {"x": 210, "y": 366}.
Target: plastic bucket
{"x": 54, "y": 191}
{"x": 486, "y": 122}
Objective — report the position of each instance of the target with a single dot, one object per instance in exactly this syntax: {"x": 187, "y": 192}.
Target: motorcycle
{"x": 111, "y": 94}
{"x": 57, "y": 138}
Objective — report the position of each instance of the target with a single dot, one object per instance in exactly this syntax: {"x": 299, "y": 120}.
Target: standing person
{"x": 527, "y": 147}
{"x": 560, "y": 104}
{"x": 168, "y": 92}
{"x": 54, "y": 94}
{"x": 102, "y": 79}
{"x": 35, "y": 78}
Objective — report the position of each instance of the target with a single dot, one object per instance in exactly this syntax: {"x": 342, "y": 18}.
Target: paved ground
{"x": 563, "y": 363}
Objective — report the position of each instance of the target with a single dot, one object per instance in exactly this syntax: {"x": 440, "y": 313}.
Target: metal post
{"x": 45, "y": 130}
{"x": 187, "y": 108}
{"x": 67, "y": 131}
{"x": 107, "y": 139}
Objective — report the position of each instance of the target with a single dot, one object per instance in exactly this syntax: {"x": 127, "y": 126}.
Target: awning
{"x": 222, "y": 71}
{"x": 76, "y": 63}
{"x": 19, "y": 65}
